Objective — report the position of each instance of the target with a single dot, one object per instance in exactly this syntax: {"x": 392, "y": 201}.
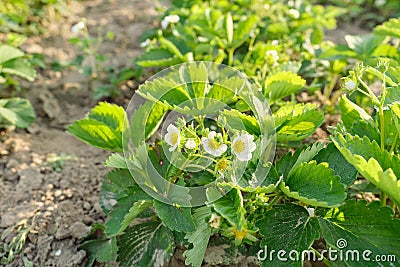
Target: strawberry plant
{"x": 370, "y": 142}
{"x": 194, "y": 168}
{"x": 260, "y": 38}
{"x": 368, "y": 48}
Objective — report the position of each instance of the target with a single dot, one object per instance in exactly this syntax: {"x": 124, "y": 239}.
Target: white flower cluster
{"x": 242, "y": 145}
{"x": 169, "y": 19}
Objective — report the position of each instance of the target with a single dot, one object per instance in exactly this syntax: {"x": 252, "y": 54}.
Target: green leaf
{"x": 199, "y": 238}
{"x": 338, "y": 52}
{"x": 146, "y": 244}
{"x": 291, "y": 161}
{"x": 145, "y": 121}
{"x": 100, "y": 250}
{"x": 392, "y": 94}
{"x": 281, "y": 84}
{"x": 377, "y": 166}
{"x": 158, "y": 57}
{"x": 314, "y": 185}
{"x": 110, "y": 114}
{"x": 389, "y": 28}
{"x": 21, "y": 67}
{"x": 395, "y": 109}
{"x": 195, "y": 77}
{"x": 115, "y": 186}
{"x": 165, "y": 90}
{"x": 102, "y": 128}
{"x": 226, "y": 90}
{"x": 351, "y": 113}
{"x": 340, "y": 166}
{"x": 242, "y": 32}
{"x": 126, "y": 209}
{"x": 285, "y": 164}
{"x": 357, "y": 120}
{"x": 8, "y": 53}
{"x": 177, "y": 219}
{"x": 389, "y": 127}
{"x": 287, "y": 227}
{"x": 317, "y": 35}
{"x": 296, "y": 122}
{"x": 171, "y": 47}
{"x": 236, "y": 121}
{"x": 116, "y": 160}
{"x": 306, "y": 155}
{"x": 231, "y": 208}
{"x": 97, "y": 134}
{"x": 133, "y": 212}
{"x": 364, "y": 45}
{"x": 27, "y": 263}
{"x": 388, "y": 76}
{"x": 16, "y": 111}
{"x": 363, "y": 227}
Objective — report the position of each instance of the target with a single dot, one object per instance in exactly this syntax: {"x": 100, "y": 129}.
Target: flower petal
{"x": 172, "y": 128}
{"x": 212, "y": 134}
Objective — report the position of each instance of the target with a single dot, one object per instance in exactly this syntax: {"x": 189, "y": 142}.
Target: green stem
{"x": 250, "y": 50}
{"x": 382, "y": 124}
{"x": 371, "y": 94}
{"x": 205, "y": 157}
{"x": 362, "y": 92}
{"x": 328, "y": 89}
{"x": 275, "y": 200}
{"x": 230, "y": 56}
{"x": 394, "y": 142}
{"x": 383, "y": 199}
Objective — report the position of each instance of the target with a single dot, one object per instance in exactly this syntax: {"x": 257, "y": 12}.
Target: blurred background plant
{"x": 28, "y": 16}
{"x": 105, "y": 80}
{"x": 367, "y": 13}
{"x": 19, "y": 18}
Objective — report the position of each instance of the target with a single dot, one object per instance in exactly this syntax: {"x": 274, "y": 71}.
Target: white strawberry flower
{"x": 78, "y": 27}
{"x": 243, "y": 146}
{"x": 215, "y": 221}
{"x": 273, "y": 54}
{"x": 350, "y": 85}
{"x": 190, "y": 144}
{"x": 145, "y": 43}
{"x": 294, "y": 13}
{"x": 173, "y": 137}
{"x": 212, "y": 146}
{"x": 169, "y": 19}
{"x": 275, "y": 42}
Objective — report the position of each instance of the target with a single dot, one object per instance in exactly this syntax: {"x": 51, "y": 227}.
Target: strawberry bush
{"x": 193, "y": 155}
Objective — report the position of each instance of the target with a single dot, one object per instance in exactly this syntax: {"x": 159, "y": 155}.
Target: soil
{"x": 61, "y": 199}
{"x": 64, "y": 203}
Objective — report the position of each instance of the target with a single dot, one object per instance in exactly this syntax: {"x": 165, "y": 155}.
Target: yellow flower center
{"x": 239, "y": 234}
{"x": 222, "y": 164}
{"x": 174, "y": 138}
{"x": 214, "y": 145}
{"x": 239, "y": 146}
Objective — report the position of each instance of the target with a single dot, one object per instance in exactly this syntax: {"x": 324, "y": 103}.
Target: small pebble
{"x": 86, "y": 205}
{"x": 79, "y": 230}
{"x": 57, "y": 193}
{"x": 58, "y": 253}
{"x": 68, "y": 192}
